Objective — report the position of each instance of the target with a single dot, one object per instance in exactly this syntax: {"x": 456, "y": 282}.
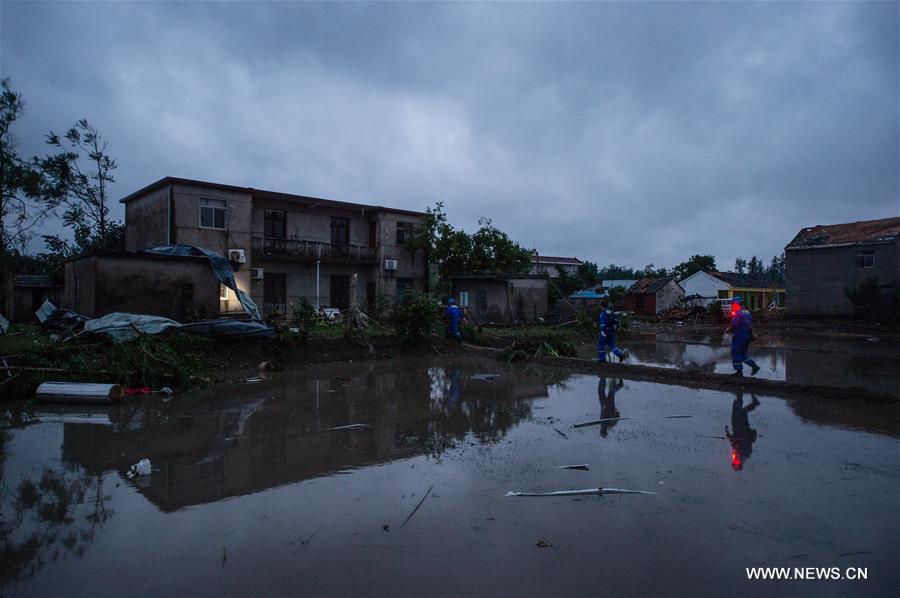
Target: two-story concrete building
{"x": 284, "y": 247}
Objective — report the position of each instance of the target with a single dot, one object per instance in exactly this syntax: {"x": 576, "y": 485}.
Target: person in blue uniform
{"x": 453, "y": 315}
{"x": 741, "y": 329}
{"x": 608, "y": 324}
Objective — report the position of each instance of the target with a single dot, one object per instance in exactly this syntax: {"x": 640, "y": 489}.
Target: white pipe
{"x": 317, "y": 286}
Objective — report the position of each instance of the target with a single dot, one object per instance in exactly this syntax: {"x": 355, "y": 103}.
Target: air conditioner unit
{"x": 256, "y": 273}
{"x": 237, "y": 256}
{"x": 390, "y": 264}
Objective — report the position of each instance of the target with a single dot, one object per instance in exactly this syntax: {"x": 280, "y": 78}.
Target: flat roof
{"x": 262, "y": 193}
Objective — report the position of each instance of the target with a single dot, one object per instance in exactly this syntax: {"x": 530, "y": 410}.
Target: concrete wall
{"x": 815, "y": 278}
{"x": 147, "y": 220}
{"x": 142, "y": 285}
{"x": 408, "y": 265}
{"x": 701, "y": 283}
{"x": 300, "y": 279}
{"x": 668, "y": 296}
{"x": 512, "y": 300}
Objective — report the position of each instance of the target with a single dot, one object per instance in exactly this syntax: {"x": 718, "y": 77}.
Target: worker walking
{"x": 741, "y": 329}
{"x": 608, "y": 324}
{"x": 453, "y": 315}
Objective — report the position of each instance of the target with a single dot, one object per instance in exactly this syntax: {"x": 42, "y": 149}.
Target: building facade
{"x": 285, "y": 247}
{"x": 649, "y": 296}
{"x": 821, "y": 261}
{"x": 492, "y": 298}
{"x": 758, "y": 291}
{"x": 548, "y": 265}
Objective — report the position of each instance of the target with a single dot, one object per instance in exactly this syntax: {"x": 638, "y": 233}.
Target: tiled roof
{"x": 648, "y": 286}
{"x": 851, "y": 233}
{"x": 748, "y": 281}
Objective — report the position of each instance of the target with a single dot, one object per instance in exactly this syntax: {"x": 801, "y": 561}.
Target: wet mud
{"x": 390, "y": 477}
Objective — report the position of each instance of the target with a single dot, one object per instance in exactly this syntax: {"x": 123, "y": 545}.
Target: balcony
{"x": 311, "y": 251}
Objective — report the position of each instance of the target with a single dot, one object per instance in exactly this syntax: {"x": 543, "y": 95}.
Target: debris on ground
{"x": 558, "y": 431}
{"x": 141, "y": 468}
{"x": 583, "y": 467}
{"x": 589, "y": 491}
{"x": 78, "y": 392}
{"x": 347, "y": 427}
{"x": 616, "y": 419}
{"x": 417, "y": 506}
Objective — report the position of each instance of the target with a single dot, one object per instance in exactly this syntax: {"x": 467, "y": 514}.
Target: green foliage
{"x": 304, "y": 313}
{"x": 472, "y": 334}
{"x": 694, "y": 264}
{"x": 865, "y": 297}
{"x": 549, "y": 346}
{"x": 775, "y": 269}
{"x": 415, "y": 316}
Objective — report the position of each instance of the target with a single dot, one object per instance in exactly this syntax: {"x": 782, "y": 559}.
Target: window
{"x": 404, "y": 232}
{"x": 340, "y": 231}
{"x": 464, "y": 298}
{"x": 223, "y": 292}
{"x": 481, "y": 300}
{"x": 274, "y": 224}
{"x": 212, "y": 213}
{"x": 639, "y": 301}
{"x": 865, "y": 259}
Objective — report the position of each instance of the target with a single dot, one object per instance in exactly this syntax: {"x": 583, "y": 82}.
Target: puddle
{"x": 799, "y": 359}
{"x": 262, "y": 489}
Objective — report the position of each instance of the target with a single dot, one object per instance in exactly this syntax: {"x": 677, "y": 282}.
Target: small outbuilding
{"x": 502, "y": 298}
{"x": 27, "y": 293}
{"x": 649, "y": 296}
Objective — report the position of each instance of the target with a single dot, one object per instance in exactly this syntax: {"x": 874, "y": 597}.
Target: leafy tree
{"x": 650, "y": 271}
{"x": 776, "y": 268}
{"x": 494, "y": 252}
{"x": 588, "y": 274}
{"x": 755, "y": 266}
{"x": 696, "y": 263}
{"x": 614, "y": 272}
{"x": 415, "y": 316}
{"x": 740, "y": 265}
{"x": 78, "y": 178}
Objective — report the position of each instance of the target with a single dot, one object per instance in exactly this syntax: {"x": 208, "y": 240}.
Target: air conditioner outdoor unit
{"x": 390, "y": 264}
{"x": 256, "y": 273}
{"x": 237, "y": 256}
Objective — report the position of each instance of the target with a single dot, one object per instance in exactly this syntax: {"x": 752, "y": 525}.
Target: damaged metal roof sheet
{"x": 866, "y": 232}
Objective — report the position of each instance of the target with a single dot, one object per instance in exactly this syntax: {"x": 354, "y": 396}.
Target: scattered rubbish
{"x": 304, "y": 544}
{"x": 73, "y": 415}
{"x": 251, "y": 380}
{"x": 4, "y": 324}
{"x": 347, "y": 427}
{"x": 121, "y": 326}
{"x": 583, "y": 467}
{"x": 224, "y": 556}
{"x": 873, "y": 339}
{"x": 78, "y": 392}
{"x": 615, "y": 419}
{"x": 561, "y": 433}
{"x": 265, "y": 366}
{"x": 543, "y": 544}
{"x": 386, "y": 527}
{"x": 485, "y": 377}
{"x": 855, "y": 553}
{"x": 679, "y": 323}
{"x": 589, "y": 491}
{"x": 166, "y": 391}
{"x": 417, "y": 506}
{"x": 141, "y": 468}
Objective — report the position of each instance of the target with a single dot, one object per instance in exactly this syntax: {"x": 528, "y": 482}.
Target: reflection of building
{"x": 821, "y": 261}
{"x": 250, "y": 441}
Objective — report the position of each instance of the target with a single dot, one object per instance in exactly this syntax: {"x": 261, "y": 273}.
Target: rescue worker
{"x": 453, "y": 315}
{"x": 741, "y": 329}
{"x": 607, "y": 324}
{"x": 743, "y": 435}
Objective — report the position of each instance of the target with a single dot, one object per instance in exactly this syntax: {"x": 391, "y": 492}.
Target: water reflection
{"x": 255, "y": 437}
{"x": 606, "y": 392}
{"x": 741, "y": 436}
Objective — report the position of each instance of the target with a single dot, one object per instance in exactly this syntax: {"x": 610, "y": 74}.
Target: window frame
{"x": 404, "y": 231}
{"x": 224, "y": 208}
{"x": 282, "y": 220}
{"x": 340, "y": 224}
{"x": 865, "y": 259}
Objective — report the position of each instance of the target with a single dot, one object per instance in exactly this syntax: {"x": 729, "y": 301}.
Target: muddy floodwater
{"x": 869, "y": 363}
{"x": 262, "y": 489}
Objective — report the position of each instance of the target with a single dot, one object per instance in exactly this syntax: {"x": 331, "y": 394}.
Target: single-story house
{"x": 649, "y": 296}
{"x": 758, "y": 291}
{"x": 821, "y": 261}
{"x": 177, "y": 287}
{"x": 27, "y": 292}
{"x": 702, "y": 288}
{"x": 502, "y": 298}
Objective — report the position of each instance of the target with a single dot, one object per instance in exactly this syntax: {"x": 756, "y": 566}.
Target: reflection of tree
{"x": 43, "y": 525}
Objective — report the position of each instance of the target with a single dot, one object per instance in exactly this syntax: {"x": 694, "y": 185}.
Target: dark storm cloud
{"x": 615, "y": 132}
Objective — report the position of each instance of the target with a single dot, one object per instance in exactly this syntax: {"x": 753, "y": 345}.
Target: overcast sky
{"x": 625, "y": 133}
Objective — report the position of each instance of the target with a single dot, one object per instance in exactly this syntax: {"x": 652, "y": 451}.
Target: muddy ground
{"x": 261, "y": 488}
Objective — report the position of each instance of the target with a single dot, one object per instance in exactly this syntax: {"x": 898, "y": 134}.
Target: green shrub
{"x": 415, "y": 316}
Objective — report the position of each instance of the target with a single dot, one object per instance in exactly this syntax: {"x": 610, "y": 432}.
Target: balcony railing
{"x": 310, "y": 251}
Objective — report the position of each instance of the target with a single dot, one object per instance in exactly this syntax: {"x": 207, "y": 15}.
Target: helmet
{"x": 451, "y": 301}
{"x": 737, "y": 299}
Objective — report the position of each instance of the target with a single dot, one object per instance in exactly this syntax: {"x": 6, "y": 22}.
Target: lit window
{"x": 212, "y": 213}
{"x": 223, "y": 292}
{"x": 865, "y": 259}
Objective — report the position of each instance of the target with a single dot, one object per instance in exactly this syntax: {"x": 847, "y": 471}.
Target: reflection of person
{"x": 454, "y": 390}
{"x": 742, "y": 435}
{"x": 607, "y": 396}
{"x": 741, "y": 329}
{"x": 453, "y": 315}
{"x": 608, "y": 324}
